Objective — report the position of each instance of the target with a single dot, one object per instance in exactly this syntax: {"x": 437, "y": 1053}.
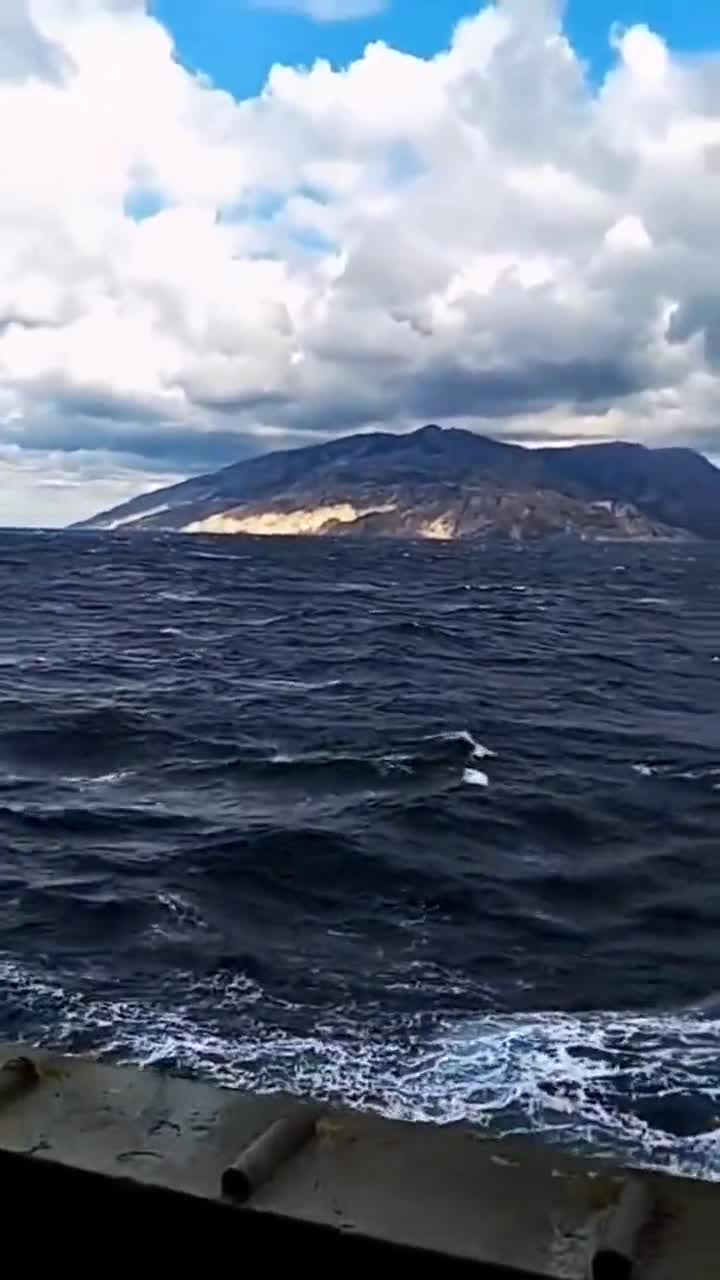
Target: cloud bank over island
{"x": 489, "y": 237}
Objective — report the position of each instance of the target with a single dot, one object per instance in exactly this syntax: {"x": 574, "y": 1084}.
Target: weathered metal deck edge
{"x": 183, "y": 1162}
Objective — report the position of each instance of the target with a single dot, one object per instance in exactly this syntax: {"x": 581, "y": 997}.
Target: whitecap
{"x": 183, "y": 914}
{"x": 574, "y": 1078}
{"x": 99, "y": 779}
{"x": 645, "y": 770}
{"x": 396, "y": 762}
{"x": 475, "y": 778}
{"x": 696, "y": 775}
{"x": 213, "y": 555}
{"x": 293, "y": 686}
{"x": 180, "y": 597}
{"x": 479, "y": 752}
{"x": 263, "y": 622}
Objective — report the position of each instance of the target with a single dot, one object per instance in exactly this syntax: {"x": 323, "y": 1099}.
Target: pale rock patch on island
{"x": 443, "y": 529}
{"x": 279, "y": 523}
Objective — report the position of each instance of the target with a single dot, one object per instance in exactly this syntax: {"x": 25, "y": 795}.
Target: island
{"x": 444, "y": 485}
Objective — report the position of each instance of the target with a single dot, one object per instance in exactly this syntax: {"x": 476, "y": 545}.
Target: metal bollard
{"x": 258, "y": 1162}
{"x": 616, "y": 1252}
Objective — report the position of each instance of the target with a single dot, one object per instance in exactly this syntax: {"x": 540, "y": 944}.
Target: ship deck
{"x": 138, "y": 1153}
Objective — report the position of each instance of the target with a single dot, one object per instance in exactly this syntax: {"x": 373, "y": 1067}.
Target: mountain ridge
{"x": 441, "y": 483}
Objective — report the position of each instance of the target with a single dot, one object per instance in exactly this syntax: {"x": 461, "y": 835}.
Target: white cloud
{"x": 57, "y": 485}
{"x": 483, "y": 237}
{"x": 24, "y": 50}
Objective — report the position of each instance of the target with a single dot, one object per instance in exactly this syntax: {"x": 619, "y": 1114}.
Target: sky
{"x": 245, "y": 225}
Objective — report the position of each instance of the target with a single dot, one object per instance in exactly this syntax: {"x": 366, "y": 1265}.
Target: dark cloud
{"x": 91, "y": 404}
{"x": 348, "y": 411}
{"x": 698, "y": 315}
{"x": 440, "y": 391}
{"x": 452, "y": 391}
{"x": 257, "y": 403}
{"x": 161, "y": 446}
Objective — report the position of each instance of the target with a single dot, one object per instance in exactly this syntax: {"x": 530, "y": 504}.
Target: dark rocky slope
{"x": 445, "y": 484}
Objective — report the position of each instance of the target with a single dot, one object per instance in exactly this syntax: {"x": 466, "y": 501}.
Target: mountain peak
{"x": 444, "y": 483}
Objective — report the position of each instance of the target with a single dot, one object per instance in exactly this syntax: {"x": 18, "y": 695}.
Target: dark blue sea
{"x": 434, "y": 829}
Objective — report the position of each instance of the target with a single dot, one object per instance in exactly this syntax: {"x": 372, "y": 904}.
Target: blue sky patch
{"x": 140, "y": 204}
{"x": 236, "y": 42}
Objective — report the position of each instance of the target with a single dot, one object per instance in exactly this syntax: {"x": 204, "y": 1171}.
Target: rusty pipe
{"x": 616, "y": 1253}
{"x": 258, "y": 1162}
{"x": 17, "y": 1075}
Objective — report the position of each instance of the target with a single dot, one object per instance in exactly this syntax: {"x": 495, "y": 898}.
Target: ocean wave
{"x": 679, "y": 773}
{"x": 475, "y": 778}
{"x": 262, "y": 770}
{"x": 98, "y": 736}
{"x": 180, "y": 916}
{"x": 57, "y": 819}
{"x": 270, "y": 621}
{"x": 294, "y": 686}
{"x": 100, "y": 779}
{"x": 643, "y": 1086}
{"x": 443, "y": 756}
{"x": 479, "y": 752}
